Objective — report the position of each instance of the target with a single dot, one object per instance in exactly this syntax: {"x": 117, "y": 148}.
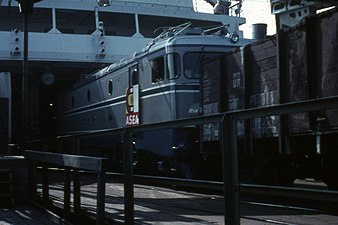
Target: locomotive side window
{"x": 174, "y": 66}
{"x": 110, "y": 87}
{"x": 157, "y": 69}
{"x": 133, "y": 75}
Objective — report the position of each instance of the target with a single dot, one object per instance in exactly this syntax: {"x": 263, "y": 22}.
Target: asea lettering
{"x": 132, "y": 119}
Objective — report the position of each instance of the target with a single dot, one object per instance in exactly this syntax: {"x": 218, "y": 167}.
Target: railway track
{"x": 298, "y": 197}
{"x": 304, "y": 196}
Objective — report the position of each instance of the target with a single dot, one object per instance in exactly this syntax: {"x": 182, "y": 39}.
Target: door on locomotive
{"x": 165, "y": 94}
{"x": 152, "y": 148}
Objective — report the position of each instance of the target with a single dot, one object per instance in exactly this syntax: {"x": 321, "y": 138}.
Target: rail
{"x": 228, "y": 147}
{"x": 318, "y": 195}
{"x": 75, "y": 163}
{"x": 228, "y": 122}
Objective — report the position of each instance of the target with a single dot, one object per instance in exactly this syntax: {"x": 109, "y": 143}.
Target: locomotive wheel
{"x": 146, "y": 163}
{"x": 283, "y": 172}
{"x": 274, "y": 171}
{"x": 330, "y": 171}
{"x": 185, "y": 170}
{"x": 332, "y": 183}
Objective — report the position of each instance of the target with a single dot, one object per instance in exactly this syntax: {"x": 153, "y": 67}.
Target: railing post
{"x": 230, "y": 170}
{"x": 45, "y": 184}
{"x": 128, "y": 178}
{"x": 66, "y": 193}
{"x": 77, "y": 194}
{"x": 76, "y": 182}
{"x": 101, "y": 192}
{"x": 32, "y": 180}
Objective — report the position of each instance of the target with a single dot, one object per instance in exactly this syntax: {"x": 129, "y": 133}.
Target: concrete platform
{"x": 28, "y": 214}
{"x": 158, "y": 205}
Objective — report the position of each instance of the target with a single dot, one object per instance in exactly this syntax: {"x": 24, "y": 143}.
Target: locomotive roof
{"x": 180, "y": 35}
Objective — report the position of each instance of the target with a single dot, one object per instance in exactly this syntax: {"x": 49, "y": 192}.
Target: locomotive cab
{"x": 179, "y": 81}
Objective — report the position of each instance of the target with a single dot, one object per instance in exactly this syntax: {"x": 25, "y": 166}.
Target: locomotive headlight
{"x": 234, "y": 38}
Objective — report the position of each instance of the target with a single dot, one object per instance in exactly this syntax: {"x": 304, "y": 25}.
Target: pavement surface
{"x": 28, "y": 214}
{"x": 159, "y": 205}
{"x": 164, "y": 206}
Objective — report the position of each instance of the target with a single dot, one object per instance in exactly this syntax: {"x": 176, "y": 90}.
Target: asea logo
{"x": 132, "y": 106}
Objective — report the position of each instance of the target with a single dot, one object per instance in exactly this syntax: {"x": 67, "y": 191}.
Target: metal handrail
{"x": 228, "y": 141}
{"x": 280, "y": 109}
{"x": 75, "y": 163}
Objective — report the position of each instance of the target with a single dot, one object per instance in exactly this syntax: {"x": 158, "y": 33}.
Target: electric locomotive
{"x": 160, "y": 83}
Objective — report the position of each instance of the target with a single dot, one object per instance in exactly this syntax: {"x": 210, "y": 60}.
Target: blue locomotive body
{"x": 161, "y": 83}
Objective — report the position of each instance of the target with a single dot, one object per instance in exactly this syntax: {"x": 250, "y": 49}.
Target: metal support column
{"x": 24, "y": 85}
{"x": 247, "y": 81}
{"x": 312, "y": 68}
{"x": 25, "y": 8}
{"x": 230, "y": 170}
{"x": 128, "y": 178}
{"x": 282, "y": 67}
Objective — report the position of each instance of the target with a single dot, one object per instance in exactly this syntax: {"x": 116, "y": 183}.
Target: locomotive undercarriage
{"x": 260, "y": 161}
{"x": 265, "y": 164}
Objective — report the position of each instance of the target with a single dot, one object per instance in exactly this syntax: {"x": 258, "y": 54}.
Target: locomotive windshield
{"x": 174, "y": 65}
{"x": 160, "y": 67}
{"x": 193, "y": 62}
